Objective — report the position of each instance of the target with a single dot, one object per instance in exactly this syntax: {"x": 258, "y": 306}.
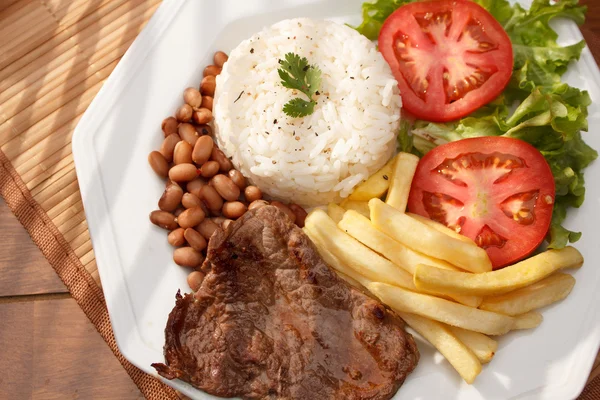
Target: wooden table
{"x": 49, "y": 348}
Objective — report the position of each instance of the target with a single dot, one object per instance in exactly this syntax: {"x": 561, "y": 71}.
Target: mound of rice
{"x": 319, "y": 158}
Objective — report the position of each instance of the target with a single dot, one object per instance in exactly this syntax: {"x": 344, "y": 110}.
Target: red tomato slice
{"x": 449, "y": 57}
{"x": 497, "y": 191}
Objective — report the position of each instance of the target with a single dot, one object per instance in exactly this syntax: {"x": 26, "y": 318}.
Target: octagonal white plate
{"x": 122, "y": 126}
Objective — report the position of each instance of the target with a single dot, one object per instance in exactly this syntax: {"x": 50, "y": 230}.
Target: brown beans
{"x": 207, "y": 228}
{"x": 257, "y": 204}
{"x": 203, "y": 130}
{"x": 194, "y": 280}
{"x": 202, "y": 116}
{"x": 220, "y": 58}
{"x": 224, "y": 162}
{"x": 188, "y": 133}
{"x": 169, "y": 126}
{"x": 252, "y": 193}
{"x": 168, "y": 146}
{"x": 192, "y": 97}
{"x": 207, "y": 102}
{"x": 171, "y": 197}
{"x": 164, "y": 219}
{"x": 233, "y": 209}
{"x": 208, "y": 85}
{"x": 237, "y": 178}
{"x": 212, "y": 70}
{"x": 188, "y": 257}
{"x": 225, "y": 187}
{"x": 184, "y": 113}
{"x": 183, "y": 172}
{"x": 159, "y": 164}
{"x": 202, "y": 150}
{"x": 195, "y": 185}
{"x": 191, "y": 217}
{"x": 176, "y": 238}
{"x": 285, "y": 209}
{"x": 209, "y": 169}
{"x": 300, "y": 214}
{"x": 190, "y": 200}
{"x": 178, "y": 211}
{"x": 211, "y": 198}
{"x": 182, "y": 153}
{"x": 195, "y": 239}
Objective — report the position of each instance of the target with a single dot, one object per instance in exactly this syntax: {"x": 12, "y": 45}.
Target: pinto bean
{"x": 233, "y": 209}
{"x": 209, "y": 169}
{"x": 237, "y": 178}
{"x": 164, "y": 219}
{"x": 191, "y": 217}
{"x": 252, "y": 193}
{"x": 159, "y": 164}
{"x": 192, "y": 97}
{"x": 183, "y": 172}
{"x": 195, "y": 239}
{"x": 171, "y": 197}
{"x": 202, "y": 149}
{"x": 169, "y": 126}
{"x": 207, "y": 102}
{"x": 188, "y": 257}
{"x": 224, "y": 163}
{"x": 208, "y": 85}
{"x": 212, "y": 70}
{"x": 300, "y": 214}
{"x": 182, "y": 153}
{"x": 220, "y": 58}
{"x": 211, "y": 198}
{"x": 202, "y": 116}
{"x": 188, "y": 133}
{"x": 190, "y": 200}
{"x": 225, "y": 187}
{"x": 176, "y": 238}
{"x": 195, "y": 185}
{"x": 184, "y": 113}
{"x": 195, "y": 279}
{"x": 168, "y": 146}
{"x": 207, "y": 228}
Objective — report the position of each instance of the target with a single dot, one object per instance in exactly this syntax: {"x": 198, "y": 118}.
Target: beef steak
{"x": 271, "y": 320}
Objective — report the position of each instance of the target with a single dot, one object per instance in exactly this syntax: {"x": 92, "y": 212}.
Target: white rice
{"x": 321, "y": 157}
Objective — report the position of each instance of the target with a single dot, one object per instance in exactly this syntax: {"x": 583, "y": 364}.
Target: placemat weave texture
{"x": 54, "y": 58}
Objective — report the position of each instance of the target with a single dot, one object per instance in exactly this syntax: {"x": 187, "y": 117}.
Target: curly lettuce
{"x": 536, "y": 106}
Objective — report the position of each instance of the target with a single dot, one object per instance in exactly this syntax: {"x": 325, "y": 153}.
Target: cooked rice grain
{"x": 321, "y": 157}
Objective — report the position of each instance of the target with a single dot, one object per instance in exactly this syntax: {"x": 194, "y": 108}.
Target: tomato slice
{"x": 449, "y": 57}
{"x": 497, "y": 191}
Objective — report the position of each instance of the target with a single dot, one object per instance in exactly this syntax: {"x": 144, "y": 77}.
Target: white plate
{"x": 122, "y": 126}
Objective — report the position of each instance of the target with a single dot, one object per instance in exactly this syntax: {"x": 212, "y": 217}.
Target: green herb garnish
{"x": 295, "y": 73}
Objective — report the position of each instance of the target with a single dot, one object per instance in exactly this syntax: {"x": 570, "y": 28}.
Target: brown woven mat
{"x": 54, "y": 57}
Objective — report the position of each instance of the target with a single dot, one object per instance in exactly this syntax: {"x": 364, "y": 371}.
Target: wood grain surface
{"x": 50, "y": 350}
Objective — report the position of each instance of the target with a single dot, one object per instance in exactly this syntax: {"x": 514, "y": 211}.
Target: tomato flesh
{"x": 449, "y": 57}
{"x": 497, "y": 191}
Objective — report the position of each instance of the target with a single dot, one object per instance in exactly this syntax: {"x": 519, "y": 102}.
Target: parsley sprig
{"x": 296, "y": 73}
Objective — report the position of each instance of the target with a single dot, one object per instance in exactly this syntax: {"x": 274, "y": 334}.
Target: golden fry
{"x": 375, "y": 186}
{"x": 354, "y": 254}
{"x": 545, "y": 292}
{"x": 528, "y": 320}
{"x": 500, "y": 281}
{"x": 427, "y": 240}
{"x": 441, "y": 227}
{"x": 442, "y": 310}
{"x": 362, "y": 230}
{"x": 464, "y": 361}
{"x": 335, "y": 212}
{"x": 482, "y": 346}
{"x": 362, "y": 207}
{"x": 402, "y": 176}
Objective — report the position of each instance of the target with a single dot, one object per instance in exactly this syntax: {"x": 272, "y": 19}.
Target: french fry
{"x": 528, "y": 320}
{"x": 427, "y": 240}
{"x": 482, "y": 346}
{"x": 545, "y": 292}
{"x": 500, "y": 281}
{"x": 335, "y": 212}
{"x": 346, "y": 273}
{"x": 402, "y": 176}
{"x": 362, "y": 230}
{"x": 376, "y": 185}
{"x": 362, "y": 207}
{"x": 442, "y": 310}
{"x": 441, "y": 227}
{"x": 457, "y": 353}
{"x": 354, "y": 254}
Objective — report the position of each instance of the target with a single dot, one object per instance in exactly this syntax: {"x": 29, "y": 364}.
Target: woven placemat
{"x": 54, "y": 57}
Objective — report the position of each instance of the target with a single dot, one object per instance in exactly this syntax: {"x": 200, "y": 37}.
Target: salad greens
{"x": 549, "y": 114}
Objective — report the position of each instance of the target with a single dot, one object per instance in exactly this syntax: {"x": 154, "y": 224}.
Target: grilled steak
{"x": 271, "y": 320}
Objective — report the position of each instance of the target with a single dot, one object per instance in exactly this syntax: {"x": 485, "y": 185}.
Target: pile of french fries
{"x": 437, "y": 280}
